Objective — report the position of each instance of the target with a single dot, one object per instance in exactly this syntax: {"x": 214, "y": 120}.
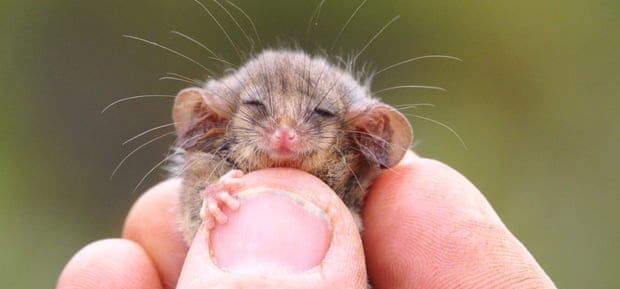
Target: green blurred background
{"x": 535, "y": 100}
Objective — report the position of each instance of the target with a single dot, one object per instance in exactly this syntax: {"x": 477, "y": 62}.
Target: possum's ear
{"x": 382, "y": 134}
{"x": 196, "y": 112}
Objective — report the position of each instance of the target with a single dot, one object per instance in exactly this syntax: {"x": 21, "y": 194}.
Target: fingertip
{"x": 153, "y": 223}
{"x": 110, "y": 264}
{"x": 156, "y": 205}
{"x": 427, "y": 226}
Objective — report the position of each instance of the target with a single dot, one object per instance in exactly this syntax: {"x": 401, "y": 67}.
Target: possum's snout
{"x": 284, "y": 139}
{"x": 284, "y": 143}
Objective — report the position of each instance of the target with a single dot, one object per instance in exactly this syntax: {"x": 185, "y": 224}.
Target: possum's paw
{"x": 220, "y": 193}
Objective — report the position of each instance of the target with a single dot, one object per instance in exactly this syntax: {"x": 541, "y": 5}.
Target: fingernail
{"x": 272, "y": 232}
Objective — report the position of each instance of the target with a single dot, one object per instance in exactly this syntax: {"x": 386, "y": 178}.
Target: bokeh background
{"x": 535, "y": 100}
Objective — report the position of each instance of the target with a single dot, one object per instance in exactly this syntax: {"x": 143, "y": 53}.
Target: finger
{"x": 153, "y": 224}
{"x": 110, "y": 264}
{"x": 291, "y": 231}
{"x": 427, "y": 226}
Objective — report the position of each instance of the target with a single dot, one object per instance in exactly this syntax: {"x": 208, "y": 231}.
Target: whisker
{"x": 363, "y": 149}
{"x": 347, "y": 24}
{"x": 151, "y": 170}
{"x": 135, "y": 97}
{"x": 375, "y": 36}
{"x": 149, "y": 130}
{"x": 315, "y": 14}
{"x": 374, "y": 137}
{"x": 186, "y": 165}
{"x": 220, "y": 26}
{"x": 138, "y": 148}
{"x": 184, "y": 77}
{"x": 224, "y": 158}
{"x": 223, "y": 61}
{"x": 167, "y": 158}
{"x": 390, "y": 145}
{"x": 412, "y": 105}
{"x": 170, "y": 50}
{"x": 191, "y": 163}
{"x": 194, "y": 41}
{"x": 247, "y": 17}
{"x": 217, "y": 166}
{"x": 193, "y": 82}
{"x": 414, "y": 59}
{"x": 441, "y": 124}
{"x": 390, "y": 168}
{"x": 350, "y": 169}
{"x": 248, "y": 38}
{"x": 409, "y": 86}
{"x": 214, "y": 55}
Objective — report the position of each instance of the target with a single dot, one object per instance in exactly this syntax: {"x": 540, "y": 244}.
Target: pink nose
{"x": 284, "y": 138}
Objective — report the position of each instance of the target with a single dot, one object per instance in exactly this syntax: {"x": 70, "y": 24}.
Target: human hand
{"x": 426, "y": 226}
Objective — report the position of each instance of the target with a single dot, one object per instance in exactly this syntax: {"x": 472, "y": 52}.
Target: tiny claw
{"x": 205, "y": 215}
{"x": 215, "y": 211}
{"x": 230, "y": 202}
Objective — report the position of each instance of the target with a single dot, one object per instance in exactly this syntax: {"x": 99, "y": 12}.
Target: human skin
{"x": 425, "y": 226}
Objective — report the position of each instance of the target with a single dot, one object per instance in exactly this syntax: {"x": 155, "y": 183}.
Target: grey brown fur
{"x": 348, "y": 137}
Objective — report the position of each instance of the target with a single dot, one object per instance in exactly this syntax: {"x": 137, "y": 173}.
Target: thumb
{"x": 291, "y": 231}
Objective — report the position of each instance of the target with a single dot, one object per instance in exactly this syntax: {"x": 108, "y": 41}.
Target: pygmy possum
{"x": 283, "y": 108}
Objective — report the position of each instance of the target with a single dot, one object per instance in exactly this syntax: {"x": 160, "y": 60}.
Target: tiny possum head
{"x": 285, "y": 108}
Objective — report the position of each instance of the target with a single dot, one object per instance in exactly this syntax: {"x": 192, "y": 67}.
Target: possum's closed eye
{"x": 324, "y": 112}
{"x": 254, "y": 102}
